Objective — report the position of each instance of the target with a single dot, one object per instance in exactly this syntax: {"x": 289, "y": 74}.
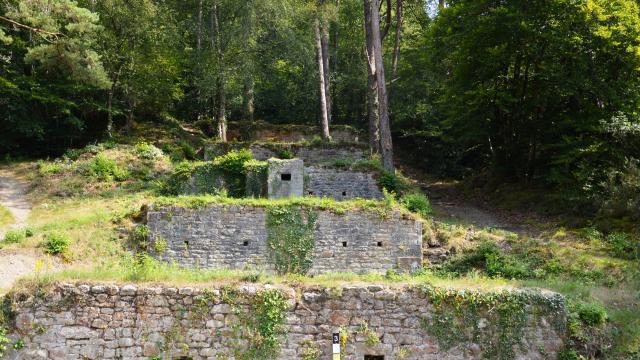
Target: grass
{"x": 6, "y": 217}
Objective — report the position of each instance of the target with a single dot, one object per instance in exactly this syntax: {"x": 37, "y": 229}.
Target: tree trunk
{"x": 199, "y": 28}
{"x": 441, "y": 4}
{"x": 221, "y": 117}
{"x": 396, "y": 48}
{"x": 324, "y": 40}
{"x": 248, "y": 107}
{"x": 324, "y": 120}
{"x": 110, "y": 111}
{"x": 248, "y": 98}
{"x": 372, "y": 89}
{"x": 386, "y": 143}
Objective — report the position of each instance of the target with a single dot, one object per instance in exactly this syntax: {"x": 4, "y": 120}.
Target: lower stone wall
{"x": 236, "y": 237}
{"x": 340, "y": 184}
{"x": 83, "y": 321}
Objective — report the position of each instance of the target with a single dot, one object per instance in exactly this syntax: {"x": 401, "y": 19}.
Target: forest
{"x": 540, "y": 94}
{"x": 501, "y": 136}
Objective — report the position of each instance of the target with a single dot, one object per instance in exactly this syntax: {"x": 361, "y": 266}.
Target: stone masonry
{"x": 235, "y": 237}
{"x": 340, "y": 184}
{"x": 106, "y": 321}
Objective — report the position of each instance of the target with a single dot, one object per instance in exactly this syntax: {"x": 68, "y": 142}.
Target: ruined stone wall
{"x": 340, "y": 184}
{"x": 235, "y": 237}
{"x": 309, "y": 154}
{"x": 82, "y": 321}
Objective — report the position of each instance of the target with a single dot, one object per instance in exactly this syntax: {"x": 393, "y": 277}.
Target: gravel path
{"x": 15, "y": 263}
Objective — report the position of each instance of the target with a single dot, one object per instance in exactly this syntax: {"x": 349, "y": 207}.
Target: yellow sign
{"x": 336, "y": 356}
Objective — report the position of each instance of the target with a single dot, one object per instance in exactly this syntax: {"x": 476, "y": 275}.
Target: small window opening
{"x": 344, "y": 193}
{"x": 374, "y": 357}
{"x": 379, "y": 243}
{"x": 285, "y": 177}
{"x": 246, "y": 243}
{"x": 186, "y": 244}
{"x": 344, "y": 244}
{"x": 310, "y": 192}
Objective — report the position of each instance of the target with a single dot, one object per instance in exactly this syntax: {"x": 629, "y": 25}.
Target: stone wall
{"x": 263, "y": 131}
{"x": 308, "y": 153}
{"x": 236, "y": 237}
{"x": 83, "y": 321}
{"x": 340, "y": 184}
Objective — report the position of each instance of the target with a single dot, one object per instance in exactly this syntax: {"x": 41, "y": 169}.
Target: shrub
{"x": 188, "y": 151}
{"x": 623, "y": 245}
{"x": 147, "y": 151}
{"x": 105, "y": 169}
{"x": 592, "y": 314}
{"x": 14, "y": 236}
{"x": 417, "y": 203}
{"x": 232, "y": 168}
{"x": 46, "y": 168}
{"x": 56, "y": 243}
{"x": 490, "y": 258}
{"x": 388, "y": 181}
{"x": 4, "y": 340}
{"x": 286, "y": 154}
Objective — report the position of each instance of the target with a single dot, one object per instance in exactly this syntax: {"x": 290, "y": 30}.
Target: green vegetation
{"x": 290, "y": 238}
{"x": 6, "y": 218}
{"x": 56, "y": 243}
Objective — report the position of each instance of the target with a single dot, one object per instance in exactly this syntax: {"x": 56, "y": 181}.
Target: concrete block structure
{"x": 285, "y": 178}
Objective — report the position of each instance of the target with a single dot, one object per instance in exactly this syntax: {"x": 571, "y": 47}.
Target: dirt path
{"x": 449, "y": 206}
{"x": 15, "y": 263}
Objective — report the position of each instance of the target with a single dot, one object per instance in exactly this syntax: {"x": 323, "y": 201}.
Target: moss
{"x": 381, "y": 208}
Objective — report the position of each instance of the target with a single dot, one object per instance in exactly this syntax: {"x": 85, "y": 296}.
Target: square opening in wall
{"x": 379, "y": 243}
{"x": 285, "y": 177}
{"x": 374, "y": 357}
{"x": 246, "y": 243}
{"x": 344, "y": 244}
{"x": 344, "y": 193}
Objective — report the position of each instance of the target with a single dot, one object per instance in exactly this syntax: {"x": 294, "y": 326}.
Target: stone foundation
{"x": 340, "y": 184}
{"x": 308, "y": 153}
{"x": 82, "y": 321}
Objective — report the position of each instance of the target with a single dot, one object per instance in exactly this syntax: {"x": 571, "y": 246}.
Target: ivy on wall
{"x": 290, "y": 237}
{"x": 256, "y": 178}
{"x": 494, "y": 321}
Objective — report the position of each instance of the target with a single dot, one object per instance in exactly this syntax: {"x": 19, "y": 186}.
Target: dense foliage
{"x": 540, "y": 93}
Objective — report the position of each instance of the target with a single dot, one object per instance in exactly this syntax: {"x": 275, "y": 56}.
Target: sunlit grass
{"x": 6, "y": 217}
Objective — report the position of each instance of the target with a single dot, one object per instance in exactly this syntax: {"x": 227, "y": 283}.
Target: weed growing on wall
{"x": 498, "y": 319}
{"x": 256, "y": 178}
{"x": 291, "y": 238}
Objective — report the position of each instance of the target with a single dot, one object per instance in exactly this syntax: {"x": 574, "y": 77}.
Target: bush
{"x": 623, "y": 245}
{"x": 232, "y": 168}
{"x": 56, "y": 243}
{"x": 592, "y": 314}
{"x": 188, "y": 151}
{"x": 105, "y": 169}
{"x": 489, "y": 258}
{"x": 286, "y": 154}
{"x": 147, "y": 151}
{"x": 46, "y": 168}
{"x": 14, "y": 236}
{"x": 388, "y": 181}
{"x": 417, "y": 203}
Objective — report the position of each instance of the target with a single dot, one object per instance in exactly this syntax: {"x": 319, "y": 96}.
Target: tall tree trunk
{"x": 199, "y": 28}
{"x": 324, "y": 40}
{"x": 110, "y": 96}
{"x": 198, "y": 59}
{"x": 324, "y": 120}
{"x": 248, "y": 108}
{"x": 386, "y": 143}
{"x": 222, "y": 96}
{"x": 396, "y": 48}
{"x": 441, "y": 4}
{"x": 248, "y": 98}
{"x": 372, "y": 88}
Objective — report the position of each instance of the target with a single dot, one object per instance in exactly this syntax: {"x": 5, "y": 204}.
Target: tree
{"x": 372, "y": 18}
